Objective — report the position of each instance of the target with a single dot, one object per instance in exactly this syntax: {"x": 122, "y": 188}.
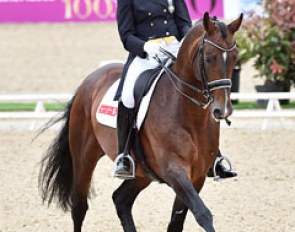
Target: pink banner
{"x": 83, "y": 10}
{"x": 57, "y": 10}
{"x": 197, "y": 8}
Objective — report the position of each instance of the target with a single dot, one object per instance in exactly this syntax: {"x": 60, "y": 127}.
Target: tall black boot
{"x": 221, "y": 170}
{"x": 124, "y": 129}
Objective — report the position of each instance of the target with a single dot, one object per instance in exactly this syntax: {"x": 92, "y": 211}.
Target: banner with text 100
{"x": 83, "y": 10}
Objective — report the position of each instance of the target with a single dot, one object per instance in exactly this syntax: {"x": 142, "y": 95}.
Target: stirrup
{"x": 220, "y": 159}
{"x": 128, "y": 176}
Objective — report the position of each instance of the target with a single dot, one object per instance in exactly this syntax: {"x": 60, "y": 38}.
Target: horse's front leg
{"x": 179, "y": 210}
{"x": 124, "y": 198}
{"x": 177, "y": 178}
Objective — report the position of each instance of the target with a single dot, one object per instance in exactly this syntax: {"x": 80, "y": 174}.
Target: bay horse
{"x": 180, "y": 135}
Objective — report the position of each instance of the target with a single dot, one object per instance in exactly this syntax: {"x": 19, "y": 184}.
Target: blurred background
{"x": 51, "y": 45}
{"x": 48, "y": 47}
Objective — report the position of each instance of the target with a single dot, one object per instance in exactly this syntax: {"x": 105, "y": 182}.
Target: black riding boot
{"x": 124, "y": 125}
{"x": 221, "y": 171}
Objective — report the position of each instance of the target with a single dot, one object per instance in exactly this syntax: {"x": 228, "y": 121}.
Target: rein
{"x": 208, "y": 87}
{"x": 173, "y": 78}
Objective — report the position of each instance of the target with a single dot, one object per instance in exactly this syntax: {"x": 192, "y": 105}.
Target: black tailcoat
{"x": 142, "y": 20}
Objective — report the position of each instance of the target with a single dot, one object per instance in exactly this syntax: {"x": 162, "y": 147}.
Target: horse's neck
{"x": 184, "y": 115}
{"x": 176, "y": 112}
{"x": 191, "y": 114}
{"x": 184, "y": 63}
{"x": 181, "y": 108}
{"x": 183, "y": 68}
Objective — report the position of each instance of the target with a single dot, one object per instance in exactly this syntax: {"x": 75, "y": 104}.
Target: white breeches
{"x": 138, "y": 66}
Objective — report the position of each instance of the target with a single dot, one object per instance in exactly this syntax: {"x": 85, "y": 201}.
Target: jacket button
{"x": 164, "y": 10}
{"x": 167, "y": 33}
{"x": 165, "y": 22}
{"x": 150, "y": 13}
{"x": 152, "y": 24}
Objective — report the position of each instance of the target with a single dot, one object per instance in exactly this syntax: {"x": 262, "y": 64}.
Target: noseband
{"x": 208, "y": 87}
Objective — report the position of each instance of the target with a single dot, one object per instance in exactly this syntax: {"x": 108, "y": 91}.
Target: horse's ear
{"x": 235, "y": 25}
{"x": 208, "y": 24}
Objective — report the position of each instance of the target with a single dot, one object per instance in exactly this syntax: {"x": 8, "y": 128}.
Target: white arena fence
{"x": 40, "y": 99}
{"x": 273, "y": 109}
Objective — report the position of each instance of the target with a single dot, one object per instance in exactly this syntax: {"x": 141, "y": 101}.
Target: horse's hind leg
{"x": 124, "y": 198}
{"x": 85, "y": 153}
{"x": 178, "y": 216}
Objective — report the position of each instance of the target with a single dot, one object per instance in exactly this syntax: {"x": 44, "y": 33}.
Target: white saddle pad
{"x": 106, "y": 113}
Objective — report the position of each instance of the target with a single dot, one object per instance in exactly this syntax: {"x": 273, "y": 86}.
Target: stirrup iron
{"x": 127, "y": 176}
{"x": 220, "y": 159}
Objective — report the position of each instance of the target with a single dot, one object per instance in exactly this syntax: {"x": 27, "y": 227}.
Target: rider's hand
{"x": 151, "y": 48}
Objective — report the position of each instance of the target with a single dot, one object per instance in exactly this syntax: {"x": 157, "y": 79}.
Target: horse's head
{"x": 212, "y": 53}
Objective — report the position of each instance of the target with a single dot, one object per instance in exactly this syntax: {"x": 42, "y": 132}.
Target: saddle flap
{"x": 144, "y": 87}
{"x": 144, "y": 83}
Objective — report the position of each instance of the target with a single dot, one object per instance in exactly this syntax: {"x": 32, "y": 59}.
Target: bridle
{"x": 208, "y": 86}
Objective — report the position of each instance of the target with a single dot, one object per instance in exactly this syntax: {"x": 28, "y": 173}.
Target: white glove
{"x": 151, "y": 48}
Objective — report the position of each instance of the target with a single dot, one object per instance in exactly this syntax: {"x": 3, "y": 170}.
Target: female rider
{"x": 144, "y": 27}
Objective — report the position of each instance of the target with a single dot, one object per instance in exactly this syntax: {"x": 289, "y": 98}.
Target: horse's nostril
{"x": 217, "y": 113}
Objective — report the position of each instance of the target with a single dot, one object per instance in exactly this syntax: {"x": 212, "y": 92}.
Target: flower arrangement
{"x": 270, "y": 40}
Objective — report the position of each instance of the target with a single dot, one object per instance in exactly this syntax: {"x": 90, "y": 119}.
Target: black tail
{"x": 56, "y": 173}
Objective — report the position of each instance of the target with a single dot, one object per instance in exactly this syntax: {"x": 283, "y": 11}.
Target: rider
{"x": 144, "y": 27}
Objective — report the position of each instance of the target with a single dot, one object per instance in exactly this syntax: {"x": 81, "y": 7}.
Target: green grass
{"x": 5, "y": 107}
{"x": 253, "y": 105}
{"x": 246, "y": 105}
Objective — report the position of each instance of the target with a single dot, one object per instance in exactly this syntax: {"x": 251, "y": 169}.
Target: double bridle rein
{"x": 208, "y": 87}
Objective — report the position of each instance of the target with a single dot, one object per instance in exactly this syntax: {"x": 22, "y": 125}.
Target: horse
{"x": 180, "y": 134}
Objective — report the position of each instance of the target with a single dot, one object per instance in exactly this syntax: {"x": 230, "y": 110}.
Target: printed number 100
{"x": 73, "y": 8}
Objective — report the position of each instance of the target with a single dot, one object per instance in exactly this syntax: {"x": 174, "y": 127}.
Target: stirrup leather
{"x": 220, "y": 159}
{"x": 130, "y": 175}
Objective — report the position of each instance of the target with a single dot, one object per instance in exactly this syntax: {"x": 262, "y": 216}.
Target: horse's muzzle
{"x": 219, "y": 114}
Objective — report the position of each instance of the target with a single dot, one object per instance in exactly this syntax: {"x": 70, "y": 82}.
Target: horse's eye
{"x": 209, "y": 59}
